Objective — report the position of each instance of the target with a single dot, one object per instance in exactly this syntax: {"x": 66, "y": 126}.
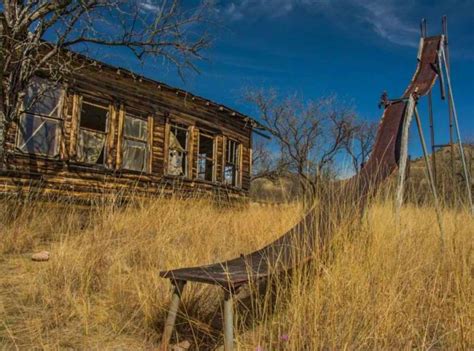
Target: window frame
{"x": 144, "y": 141}
{"x": 212, "y": 159}
{"x": 90, "y": 101}
{"x": 57, "y": 117}
{"x": 237, "y": 165}
{"x": 187, "y": 148}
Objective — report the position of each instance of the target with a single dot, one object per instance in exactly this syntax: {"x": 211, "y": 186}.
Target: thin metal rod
{"x": 458, "y": 134}
{"x": 228, "y": 322}
{"x": 445, "y": 52}
{"x": 432, "y": 135}
{"x": 173, "y": 311}
{"x": 430, "y": 175}
{"x": 441, "y": 77}
{"x": 423, "y": 27}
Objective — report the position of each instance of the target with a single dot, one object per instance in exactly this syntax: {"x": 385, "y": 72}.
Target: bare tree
{"x": 35, "y": 34}
{"x": 309, "y": 134}
{"x": 359, "y": 146}
{"x": 266, "y": 163}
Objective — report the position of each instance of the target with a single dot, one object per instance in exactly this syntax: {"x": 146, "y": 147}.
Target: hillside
{"x": 450, "y": 182}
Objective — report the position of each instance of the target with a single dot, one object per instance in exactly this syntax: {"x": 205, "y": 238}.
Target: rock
{"x": 182, "y": 346}
{"x": 40, "y": 256}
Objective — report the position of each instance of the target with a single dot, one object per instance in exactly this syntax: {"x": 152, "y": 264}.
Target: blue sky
{"x": 353, "y": 48}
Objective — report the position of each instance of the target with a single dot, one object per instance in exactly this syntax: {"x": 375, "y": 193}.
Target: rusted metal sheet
{"x": 299, "y": 243}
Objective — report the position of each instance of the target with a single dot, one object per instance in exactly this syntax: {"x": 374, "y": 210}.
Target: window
{"x": 135, "y": 149}
{"x": 178, "y": 150}
{"x": 39, "y": 127}
{"x": 232, "y": 163}
{"x": 92, "y": 133}
{"x": 205, "y": 160}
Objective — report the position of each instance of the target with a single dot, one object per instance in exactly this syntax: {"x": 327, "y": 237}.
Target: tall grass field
{"x": 381, "y": 284}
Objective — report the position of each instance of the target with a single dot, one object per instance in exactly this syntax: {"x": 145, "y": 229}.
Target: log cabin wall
{"x": 157, "y": 109}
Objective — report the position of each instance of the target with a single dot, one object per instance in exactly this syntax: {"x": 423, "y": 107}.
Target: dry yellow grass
{"x": 380, "y": 288}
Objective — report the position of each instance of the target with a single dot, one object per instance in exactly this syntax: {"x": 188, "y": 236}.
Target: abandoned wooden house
{"x": 107, "y": 131}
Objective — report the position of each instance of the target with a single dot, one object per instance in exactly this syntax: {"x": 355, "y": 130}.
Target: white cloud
{"x": 384, "y": 17}
{"x": 239, "y": 9}
{"x": 387, "y": 23}
{"x": 149, "y": 5}
{"x": 233, "y": 12}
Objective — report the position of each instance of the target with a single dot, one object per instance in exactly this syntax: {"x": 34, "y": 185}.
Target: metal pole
{"x": 423, "y": 27}
{"x": 228, "y": 322}
{"x": 458, "y": 134}
{"x": 173, "y": 311}
{"x": 432, "y": 135}
{"x": 430, "y": 175}
{"x": 424, "y": 33}
{"x": 444, "y": 25}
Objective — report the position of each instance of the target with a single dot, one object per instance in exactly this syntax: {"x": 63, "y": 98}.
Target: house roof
{"x": 165, "y": 87}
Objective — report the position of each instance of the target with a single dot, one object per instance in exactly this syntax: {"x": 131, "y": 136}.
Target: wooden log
{"x": 149, "y": 166}
{"x": 167, "y": 130}
{"x": 111, "y": 136}
{"x": 121, "y": 121}
{"x": 191, "y": 147}
{"x": 76, "y": 110}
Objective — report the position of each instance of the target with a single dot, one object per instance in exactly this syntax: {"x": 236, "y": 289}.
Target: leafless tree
{"x": 359, "y": 145}
{"x": 309, "y": 134}
{"x": 267, "y": 163}
{"x": 35, "y": 34}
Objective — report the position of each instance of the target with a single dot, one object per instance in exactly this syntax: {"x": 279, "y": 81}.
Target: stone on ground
{"x": 40, "y": 256}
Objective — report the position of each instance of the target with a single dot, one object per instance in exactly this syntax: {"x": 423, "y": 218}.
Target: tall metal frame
{"x": 434, "y": 146}
{"x": 467, "y": 179}
{"x": 446, "y": 85}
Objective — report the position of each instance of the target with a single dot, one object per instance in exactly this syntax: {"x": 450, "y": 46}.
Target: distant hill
{"x": 450, "y": 180}
{"x": 443, "y": 163}
{"x": 449, "y": 183}
{"x": 283, "y": 189}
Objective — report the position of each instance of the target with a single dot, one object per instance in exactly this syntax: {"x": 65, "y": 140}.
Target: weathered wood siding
{"x": 119, "y": 93}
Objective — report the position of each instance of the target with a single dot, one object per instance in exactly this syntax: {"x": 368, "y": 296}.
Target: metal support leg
{"x": 228, "y": 322}
{"x": 444, "y": 25}
{"x": 430, "y": 176}
{"x": 458, "y": 133}
{"x": 403, "y": 157}
{"x": 173, "y": 311}
{"x": 432, "y": 136}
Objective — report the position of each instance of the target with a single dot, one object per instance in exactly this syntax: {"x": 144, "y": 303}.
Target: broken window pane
{"x": 94, "y": 117}
{"x": 134, "y": 148}
{"x": 229, "y": 174}
{"x": 177, "y": 150}
{"x": 43, "y": 98}
{"x": 91, "y": 147}
{"x": 134, "y": 155}
{"x": 135, "y": 128}
{"x": 232, "y": 163}
{"x": 205, "y": 157}
{"x": 92, "y": 134}
{"x": 38, "y": 135}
